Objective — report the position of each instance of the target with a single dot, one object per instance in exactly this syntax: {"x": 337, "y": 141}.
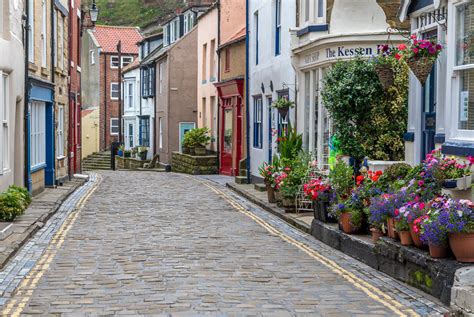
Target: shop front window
{"x": 465, "y": 64}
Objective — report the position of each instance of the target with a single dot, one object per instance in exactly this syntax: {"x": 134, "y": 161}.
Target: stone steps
{"x": 97, "y": 161}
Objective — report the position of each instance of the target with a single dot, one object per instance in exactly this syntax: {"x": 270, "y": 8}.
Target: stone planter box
{"x": 129, "y": 163}
{"x": 195, "y": 165}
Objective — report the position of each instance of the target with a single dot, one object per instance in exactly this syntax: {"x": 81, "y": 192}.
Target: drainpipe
{"x": 247, "y": 112}
{"x": 105, "y": 102}
{"x": 26, "y": 110}
{"x": 53, "y": 80}
{"x": 218, "y": 114}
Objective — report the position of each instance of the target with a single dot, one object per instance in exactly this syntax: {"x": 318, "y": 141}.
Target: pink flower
{"x": 421, "y": 183}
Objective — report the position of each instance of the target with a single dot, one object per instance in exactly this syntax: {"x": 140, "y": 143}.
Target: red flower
{"x": 398, "y": 56}
{"x": 402, "y": 47}
{"x": 360, "y": 179}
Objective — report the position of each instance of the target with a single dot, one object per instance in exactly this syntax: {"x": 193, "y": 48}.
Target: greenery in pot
{"x": 282, "y": 103}
{"x": 13, "y": 203}
{"x": 295, "y": 171}
{"x": 127, "y": 153}
{"x": 342, "y": 179}
{"x": 198, "y": 137}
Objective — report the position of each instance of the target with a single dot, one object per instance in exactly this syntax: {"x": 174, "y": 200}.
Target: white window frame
{"x": 186, "y": 28}
{"x": 114, "y": 60}
{"x": 258, "y": 120}
{"x": 92, "y": 57}
{"x": 112, "y": 91}
{"x": 125, "y": 59}
{"x": 31, "y": 31}
{"x": 38, "y": 135}
{"x": 4, "y": 122}
{"x": 60, "y": 132}
{"x": 456, "y": 133}
{"x": 172, "y": 34}
{"x": 112, "y": 125}
{"x": 165, "y": 35}
{"x": 129, "y": 93}
{"x": 44, "y": 35}
{"x": 320, "y": 16}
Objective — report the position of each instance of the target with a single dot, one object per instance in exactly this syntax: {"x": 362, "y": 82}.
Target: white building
{"x": 271, "y": 75}
{"x": 12, "y": 84}
{"x": 325, "y": 35}
{"x": 131, "y": 105}
{"x": 441, "y": 112}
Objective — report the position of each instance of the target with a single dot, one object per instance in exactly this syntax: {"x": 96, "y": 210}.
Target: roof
{"x": 109, "y": 36}
{"x": 131, "y": 66}
{"x": 237, "y": 37}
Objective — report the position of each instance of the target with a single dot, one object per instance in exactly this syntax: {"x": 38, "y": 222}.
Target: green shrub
{"x": 341, "y": 177}
{"x": 397, "y": 171}
{"x": 290, "y": 145}
{"x": 13, "y": 202}
{"x": 197, "y": 137}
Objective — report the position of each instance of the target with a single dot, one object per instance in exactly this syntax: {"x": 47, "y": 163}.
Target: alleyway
{"x": 156, "y": 243}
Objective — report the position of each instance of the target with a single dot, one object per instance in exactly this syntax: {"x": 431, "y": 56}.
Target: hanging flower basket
{"x": 386, "y": 75}
{"x": 421, "y": 67}
{"x": 283, "y": 111}
{"x": 283, "y": 105}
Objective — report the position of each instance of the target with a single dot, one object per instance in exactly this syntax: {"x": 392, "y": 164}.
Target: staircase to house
{"x": 97, "y": 161}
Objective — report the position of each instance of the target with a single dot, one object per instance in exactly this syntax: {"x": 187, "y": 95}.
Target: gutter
{"x": 247, "y": 112}
{"x": 26, "y": 109}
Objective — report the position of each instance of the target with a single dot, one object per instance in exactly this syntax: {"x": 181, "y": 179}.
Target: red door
{"x": 227, "y": 137}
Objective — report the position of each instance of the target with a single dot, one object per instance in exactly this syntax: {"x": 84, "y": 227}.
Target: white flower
{"x": 459, "y": 213}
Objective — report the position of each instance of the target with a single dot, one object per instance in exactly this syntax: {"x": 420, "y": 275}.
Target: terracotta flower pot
{"x": 271, "y": 194}
{"x": 391, "y": 232}
{"x": 437, "y": 251}
{"x": 345, "y": 221}
{"x": 462, "y": 245}
{"x": 416, "y": 238}
{"x": 405, "y": 238}
{"x": 376, "y": 234}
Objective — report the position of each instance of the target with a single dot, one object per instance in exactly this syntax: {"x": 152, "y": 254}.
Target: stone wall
{"x": 196, "y": 165}
{"x": 122, "y": 163}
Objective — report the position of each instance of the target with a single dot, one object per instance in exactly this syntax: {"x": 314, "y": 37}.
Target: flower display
{"x": 419, "y": 48}
{"x": 317, "y": 189}
{"x": 268, "y": 171}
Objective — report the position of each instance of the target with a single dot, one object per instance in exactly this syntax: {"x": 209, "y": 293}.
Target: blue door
{"x": 184, "y": 127}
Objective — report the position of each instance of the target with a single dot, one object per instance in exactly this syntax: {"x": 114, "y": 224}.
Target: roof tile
{"x": 109, "y": 36}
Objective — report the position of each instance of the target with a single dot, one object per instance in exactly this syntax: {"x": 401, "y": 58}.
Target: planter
{"x": 271, "y": 194}
{"x": 376, "y": 234}
{"x": 386, "y": 75}
{"x": 185, "y": 150}
{"x": 415, "y": 238}
{"x": 345, "y": 223}
{"x": 421, "y": 68}
{"x": 438, "y": 251}
{"x": 391, "y": 232}
{"x": 191, "y": 150}
{"x": 278, "y": 197}
{"x": 200, "y": 151}
{"x": 283, "y": 111}
{"x": 463, "y": 183}
{"x": 315, "y": 205}
{"x": 288, "y": 204}
{"x": 120, "y": 153}
{"x": 127, "y": 154}
{"x": 405, "y": 238}
{"x": 324, "y": 215}
{"x": 462, "y": 245}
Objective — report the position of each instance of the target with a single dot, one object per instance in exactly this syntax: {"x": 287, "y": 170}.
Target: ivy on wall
{"x": 368, "y": 121}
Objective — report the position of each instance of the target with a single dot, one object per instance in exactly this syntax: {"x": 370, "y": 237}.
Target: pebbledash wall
{"x": 323, "y": 37}
{"x": 271, "y": 75}
{"x": 441, "y": 112}
{"x": 12, "y": 71}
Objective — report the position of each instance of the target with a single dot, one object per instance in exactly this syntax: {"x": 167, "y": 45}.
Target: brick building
{"x": 101, "y": 86}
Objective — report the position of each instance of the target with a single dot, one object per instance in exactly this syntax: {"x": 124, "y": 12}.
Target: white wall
{"x": 277, "y": 69}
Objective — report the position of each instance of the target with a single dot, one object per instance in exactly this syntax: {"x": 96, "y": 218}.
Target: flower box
{"x": 463, "y": 183}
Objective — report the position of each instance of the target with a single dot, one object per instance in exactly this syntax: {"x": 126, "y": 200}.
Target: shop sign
{"x": 340, "y": 52}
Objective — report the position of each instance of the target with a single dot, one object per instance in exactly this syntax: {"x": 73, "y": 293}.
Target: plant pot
{"x": 283, "y": 111}
{"x": 278, "y": 197}
{"x": 127, "y": 154}
{"x": 288, "y": 204}
{"x": 463, "y": 183}
{"x": 376, "y": 234}
{"x": 438, "y": 251}
{"x": 324, "y": 215}
{"x": 405, "y": 238}
{"x": 191, "y": 150}
{"x": 462, "y": 245}
{"x": 391, "y": 232}
{"x": 143, "y": 155}
{"x": 185, "y": 150}
{"x": 271, "y": 194}
{"x": 200, "y": 151}
{"x": 345, "y": 222}
{"x": 386, "y": 75}
{"x": 416, "y": 238}
{"x": 120, "y": 153}
{"x": 315, "y": 205}
{"x": 421, "y": 68}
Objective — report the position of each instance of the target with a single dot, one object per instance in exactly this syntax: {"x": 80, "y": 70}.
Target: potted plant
{"x": 383, "y": 65}
{"x": 142, "y": 152}
{"x": 413, "y": 213}
{"x": 434, "y": 231}
{"x": 283, "y": 105}
{"x": 198, "y": 140}
{"x": 461, "y": 230}
{"x": 267, "y": 171}
{"x": 378, "y": 215}
{"x": 420, "y": 56}
{"x": 349, "y": 213}
{"x": 121, "y": 148}
{"x": 186, "y": 144}
{"x": 403, "y": 228}
{"x": 127, "y": 154}
{"x": 319, "y": 191}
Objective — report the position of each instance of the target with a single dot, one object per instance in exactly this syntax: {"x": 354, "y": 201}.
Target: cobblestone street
{"x": 170, "y": 244}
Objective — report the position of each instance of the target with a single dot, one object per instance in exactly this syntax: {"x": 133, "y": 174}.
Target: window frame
{"x": 129, "y": 93}
{"x": 92, "y": 57}
{"x": 258, "y": 122}
{"x": 227, "y": 60}
{"x": 277, "y": 27}
{"x": 31, "y": 31}
{"x": 160, "y": 133}
{"x": 112, "y": 126}
{"x": 44, "y": 35}
{"x": 256, "y": 21}
{"x": 112, "y": 84}
{"x": 126, "y": 57}
{"x": 4, "y": 123}
{"x": 38, "y": 135}
{"x": 60, "y": 132}
{"x": 112, "y": 58}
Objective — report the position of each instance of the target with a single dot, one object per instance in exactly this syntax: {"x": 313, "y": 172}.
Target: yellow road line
{"x": 371, "y": 291}
{"x": 25, "y": 290}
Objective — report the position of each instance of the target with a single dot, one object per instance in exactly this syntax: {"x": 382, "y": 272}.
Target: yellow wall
{"x": 90, "y": 132}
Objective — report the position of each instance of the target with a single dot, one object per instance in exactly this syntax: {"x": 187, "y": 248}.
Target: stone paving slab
{"x": 42, "y": 207}
{"x": 172, "y": 245}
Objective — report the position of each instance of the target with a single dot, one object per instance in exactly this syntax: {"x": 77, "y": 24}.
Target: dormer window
{"x": 312, "y": 12}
